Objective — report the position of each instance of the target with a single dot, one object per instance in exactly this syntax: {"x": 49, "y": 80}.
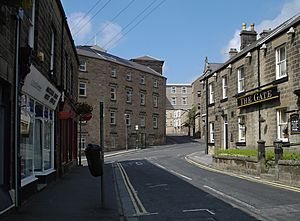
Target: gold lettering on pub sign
{"x": 257, "y": 97}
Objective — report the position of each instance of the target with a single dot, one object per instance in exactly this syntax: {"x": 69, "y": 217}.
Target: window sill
{"x": 211, "y": 144}
{"x": 28, "y": 180}
{"x": 241, "y": 143}
{"x": 280, "y": 80}
{"x": 82, "y": 96}
{"x": 224, "y": 100}
{"x": 211, "y": 105}
{"x": 46, "y": 173}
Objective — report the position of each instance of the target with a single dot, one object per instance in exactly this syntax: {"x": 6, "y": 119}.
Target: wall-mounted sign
{"x": 38, "y": 86}
{"x": 258, "y": 97}
{"x": 295, "y": 124}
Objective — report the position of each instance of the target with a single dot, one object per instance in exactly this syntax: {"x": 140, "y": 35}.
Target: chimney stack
{"x": 232, "y": 52}
{"x": 247, "y": 37}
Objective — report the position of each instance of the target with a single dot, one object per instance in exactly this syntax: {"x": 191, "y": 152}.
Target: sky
{"x": 180, "y": 32}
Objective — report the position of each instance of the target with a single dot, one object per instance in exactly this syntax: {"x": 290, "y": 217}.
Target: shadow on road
{"x": 179, "y": 139}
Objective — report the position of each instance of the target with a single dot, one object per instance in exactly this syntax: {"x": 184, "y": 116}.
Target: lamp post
{"x": 126, "y": 143}
{"x": 137, "y": 136}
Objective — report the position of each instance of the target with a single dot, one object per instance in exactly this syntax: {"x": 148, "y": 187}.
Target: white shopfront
{"x": 38, "y": 103}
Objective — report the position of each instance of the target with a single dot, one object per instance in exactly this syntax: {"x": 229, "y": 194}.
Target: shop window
{"x": 282, "y": 129}
{"x": 281, "y": 62}
{"x": 82, "y": 65}
{"x": 241, "y": 79}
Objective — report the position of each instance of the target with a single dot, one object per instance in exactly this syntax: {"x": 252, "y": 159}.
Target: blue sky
{"x": 180, "y": 32}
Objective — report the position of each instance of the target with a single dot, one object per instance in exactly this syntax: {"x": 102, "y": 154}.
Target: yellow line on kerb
{"x": 278, "y": 185}
{"x": 138, "y": 206}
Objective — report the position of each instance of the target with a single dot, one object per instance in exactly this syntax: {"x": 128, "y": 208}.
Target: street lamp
{"x": 137, "y": 136}
{"x": 126, "y": 143}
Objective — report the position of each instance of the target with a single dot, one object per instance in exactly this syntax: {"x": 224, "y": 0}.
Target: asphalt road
{"x": 164, "y": 186}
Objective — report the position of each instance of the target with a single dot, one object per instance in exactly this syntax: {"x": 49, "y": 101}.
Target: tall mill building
{"x": 132, "y": 94}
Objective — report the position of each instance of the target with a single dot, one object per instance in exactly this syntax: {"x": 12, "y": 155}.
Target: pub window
{"x": 282, "y": 130}
{"x": 224, "y": 87}
{"x": 212, "y": 132}
{"x": 242, "y": 129}
{"x": 281, "y": 62}
{"x": 211, "y": 93}
{"x": 241, "y": 79}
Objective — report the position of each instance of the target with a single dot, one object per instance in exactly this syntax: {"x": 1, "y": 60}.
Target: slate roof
{"x": 146, "y": 58}
{"x": 91, "y": 51}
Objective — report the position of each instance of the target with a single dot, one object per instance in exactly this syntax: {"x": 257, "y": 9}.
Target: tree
{"x": 190, "y": 123}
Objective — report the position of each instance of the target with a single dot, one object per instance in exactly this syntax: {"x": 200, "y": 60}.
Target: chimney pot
{"x": 244, "y": 26}
{"x": 252, "y": 26}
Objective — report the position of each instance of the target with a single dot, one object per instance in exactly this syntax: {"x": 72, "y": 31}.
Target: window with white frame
{"x": 184, "y": 101}
{"x": 113, "y": 72}
{"x": 173, "y": 100}
{"x": 128, "y": 76}
{"x": 242, "y": 129}
{"x": 82, "y": 89}
{"x": 224, "y": 87}
{"x": 128, "y": 95}
{"x": 142, "y": 98}
{"x": 52, "y": 51}
{"x": 155, "y": 101}
{"x": 113, "y": 93}
{"x": 183, "y": 90}
{"x": 142, "y": 79}
{"x": 281, "y": 62}
{"x": 154, "y": 121}
{"x": 155, "y": 83}
{"x": 282, "y": 129}
{"x": 82, "y": 65}
{"x": 211, "y": 87}
{"x": 173, "y": 90}
{"x": 128, "y": 119}
{"x": 142, "y": 120}
{"x": 113, "y": 117}
{"x": 212, "y": 132}
{"x": 241, "y": 79}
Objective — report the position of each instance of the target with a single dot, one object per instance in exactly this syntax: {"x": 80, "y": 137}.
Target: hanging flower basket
{"x": 64, "y": 115}
{"x": 86, "y": 117}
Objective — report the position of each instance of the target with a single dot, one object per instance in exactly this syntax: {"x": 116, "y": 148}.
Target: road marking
{"x": 160, "y": 166}
{"x": 138, "y": 206}
{"x": 230, "y": 197}
{"x": 198, "y": 210}
{"x": 179, "y": 174}
{"x": 278, "y": 185}
{"x": 158, "y": 185}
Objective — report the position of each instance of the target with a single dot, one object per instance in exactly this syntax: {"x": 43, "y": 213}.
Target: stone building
{"x": 254, "y": 95}
{"x": 132, "y": 94}
{"x": 178, "y": 103}
{"x": 38, "y": 79}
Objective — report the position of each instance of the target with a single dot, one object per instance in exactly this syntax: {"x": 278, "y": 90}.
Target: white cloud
{"x": 288, "y": 10}
{"x": 110, "y": 35}
{"x": 80, "y": 26}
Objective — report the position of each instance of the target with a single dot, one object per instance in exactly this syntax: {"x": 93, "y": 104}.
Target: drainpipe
{"x": 259, "y": 105}
{"x": 206, "y": 117}
{"x": 19, "y": 18}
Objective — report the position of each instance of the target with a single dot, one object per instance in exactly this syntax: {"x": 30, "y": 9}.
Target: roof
{"x": 259, "y": 42}
{"x": 146, "y": 58}
{"x": 189, "y": 85}
{"x": 97, "y": 53}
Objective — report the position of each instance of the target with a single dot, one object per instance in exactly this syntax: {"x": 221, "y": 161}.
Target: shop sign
{"x": 295, "y": 124}
{"x": 38, "y": 86}
{"x": 258, "y": 97}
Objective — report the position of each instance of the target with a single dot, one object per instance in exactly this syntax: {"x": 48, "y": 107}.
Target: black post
{"x": 79, "y": 152}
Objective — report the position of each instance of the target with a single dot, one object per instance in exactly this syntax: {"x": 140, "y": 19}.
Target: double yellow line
{"x": 278, "y": 185}
{"x": 138, "y": 206}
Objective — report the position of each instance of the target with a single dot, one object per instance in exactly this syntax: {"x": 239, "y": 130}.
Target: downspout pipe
{"x": 19, "y": 18}
{"x": 259, "y": 105}
{"x": 206, "y": 116}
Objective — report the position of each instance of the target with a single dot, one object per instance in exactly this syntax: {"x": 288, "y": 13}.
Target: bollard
{"x": 261, "y": 150}
{"x": 278, "y": 151}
